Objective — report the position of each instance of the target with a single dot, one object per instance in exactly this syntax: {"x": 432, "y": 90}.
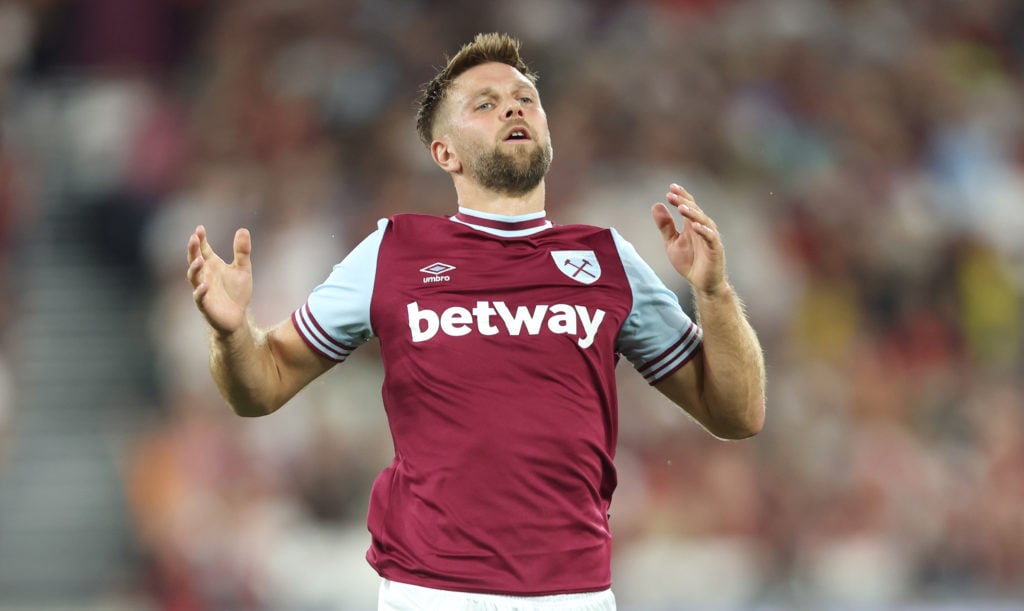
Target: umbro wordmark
{"x": 491, "y": 318}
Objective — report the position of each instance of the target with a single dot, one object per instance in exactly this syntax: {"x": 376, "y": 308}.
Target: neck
{"x": 478, "y": 198}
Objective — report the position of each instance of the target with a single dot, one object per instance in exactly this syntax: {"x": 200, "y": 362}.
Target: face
{"x": 495, "y": 125}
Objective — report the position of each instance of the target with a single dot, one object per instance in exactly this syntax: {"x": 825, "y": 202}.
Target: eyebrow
{"x": 492, "y": 92}
{"x": 488, "y": 92}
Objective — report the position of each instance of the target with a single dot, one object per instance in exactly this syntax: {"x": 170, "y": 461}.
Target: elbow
{"x": 749, "y": 424}
{"x": 755, "y": 423}
{"x": 249, "y": 408}
{"x": 747, "y": 431}
{"x": 249, "y": 411}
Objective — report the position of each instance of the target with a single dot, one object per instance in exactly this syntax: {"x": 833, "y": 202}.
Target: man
{"x": 499, "y": 335}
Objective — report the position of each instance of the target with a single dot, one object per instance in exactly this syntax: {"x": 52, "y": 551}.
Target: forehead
{"x": 492, "y": 75}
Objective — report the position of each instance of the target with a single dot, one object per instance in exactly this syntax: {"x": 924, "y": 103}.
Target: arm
{"x": 257, "y": 371}
{"x": 723, "y": 386}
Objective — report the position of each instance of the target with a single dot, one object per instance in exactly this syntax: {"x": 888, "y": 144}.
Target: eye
{"x": 526, "y": 100}
{"x": 485, "y": 106}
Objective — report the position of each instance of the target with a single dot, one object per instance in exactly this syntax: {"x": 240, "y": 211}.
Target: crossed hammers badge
{"x": 580, "y": 265}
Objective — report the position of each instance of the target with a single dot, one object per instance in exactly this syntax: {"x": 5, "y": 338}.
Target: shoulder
{"x": 411, "y": 225}
{"x": 415, "y": 218}
{"x": 581, "y": 228}
{"x": 579, "y": 232}
{"x": 608, "y": 237}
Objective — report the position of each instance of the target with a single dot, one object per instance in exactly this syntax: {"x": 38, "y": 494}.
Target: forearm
{"x": 242, "y": 365}
{"x": 733, "y": 378}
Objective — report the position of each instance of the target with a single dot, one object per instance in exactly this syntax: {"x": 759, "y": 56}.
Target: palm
{"x": 229, "y": 294}
{"x": 688, "y": 255}
{"x": 221, "y": 290}
{"x": 695, "y": 249}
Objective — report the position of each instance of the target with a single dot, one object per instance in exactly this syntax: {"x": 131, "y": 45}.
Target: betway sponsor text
{"x": 491, "y": 318}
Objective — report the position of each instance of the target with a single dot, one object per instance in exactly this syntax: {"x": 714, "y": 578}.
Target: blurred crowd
{"x": 864, "y": 160}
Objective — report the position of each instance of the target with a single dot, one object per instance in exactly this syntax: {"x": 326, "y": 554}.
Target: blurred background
{"x": 864, "y": 160}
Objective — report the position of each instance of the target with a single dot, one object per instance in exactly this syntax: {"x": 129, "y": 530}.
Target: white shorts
{"x": 395, "y": 596}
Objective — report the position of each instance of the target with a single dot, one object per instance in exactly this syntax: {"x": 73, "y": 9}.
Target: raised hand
{"x": 221, "y": 291}
{"x": 696, "y": 250}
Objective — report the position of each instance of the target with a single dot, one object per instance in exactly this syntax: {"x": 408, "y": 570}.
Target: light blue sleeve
{"x": 335, "y": 319}
{"x": 658, "y": 337}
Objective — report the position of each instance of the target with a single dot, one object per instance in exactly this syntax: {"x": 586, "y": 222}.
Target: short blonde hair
{"x": 485, "y": 48}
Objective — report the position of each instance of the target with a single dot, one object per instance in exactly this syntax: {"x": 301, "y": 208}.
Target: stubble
{"x": 510, "y": 173}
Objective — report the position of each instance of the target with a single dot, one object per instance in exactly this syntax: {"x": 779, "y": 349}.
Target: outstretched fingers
{"x": 663, "y": 219}
{"x": 192, "y": 247}
{"x": 243, "y": 249}
{"x": 194, "y": 257}
{"x": 198, "y": 251}
{"x": 687, "y": 206}
{"x": 221, "y": 291}
{"x": 194, "y": 266}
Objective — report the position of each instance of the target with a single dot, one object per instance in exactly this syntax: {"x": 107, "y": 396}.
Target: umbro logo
{"x": 438, "y": 272}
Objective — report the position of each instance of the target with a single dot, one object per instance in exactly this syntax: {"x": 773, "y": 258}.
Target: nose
{"x": 515, "y": 109}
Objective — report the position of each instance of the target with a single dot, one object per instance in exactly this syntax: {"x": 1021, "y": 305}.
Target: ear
{"x": 445, "y": 157}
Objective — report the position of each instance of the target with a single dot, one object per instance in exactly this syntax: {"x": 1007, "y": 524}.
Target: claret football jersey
{"x": 499, "y": 338}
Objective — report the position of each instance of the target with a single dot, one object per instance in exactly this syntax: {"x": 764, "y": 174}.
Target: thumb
{"x": 243, "y": 249}
{"x": 663, "y": 219}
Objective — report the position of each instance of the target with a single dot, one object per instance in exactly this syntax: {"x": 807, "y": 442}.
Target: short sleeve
{"x": 335, "y": 319}
{"x": 658, "y": 337}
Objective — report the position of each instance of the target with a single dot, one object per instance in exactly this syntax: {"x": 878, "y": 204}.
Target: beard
{"x": 511, "y": 173}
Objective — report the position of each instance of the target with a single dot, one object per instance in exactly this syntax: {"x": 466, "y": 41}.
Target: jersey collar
{"x": 502, "y": 225}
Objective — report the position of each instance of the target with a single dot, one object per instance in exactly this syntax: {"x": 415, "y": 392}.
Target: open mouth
{"x": 518, "y": 134}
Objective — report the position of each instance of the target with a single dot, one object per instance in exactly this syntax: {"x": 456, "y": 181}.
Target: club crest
{"x": 580, "y": 265}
